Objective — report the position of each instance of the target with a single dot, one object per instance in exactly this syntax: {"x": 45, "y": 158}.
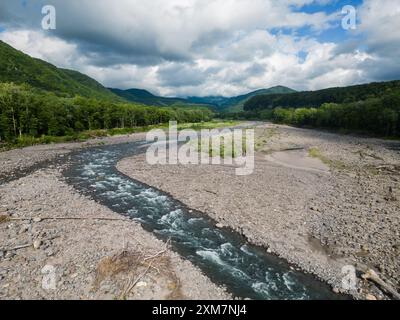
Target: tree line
{"x": 374, "y": 116}
{"x": 25, "y": 111}
{"x": 377, "y": 116}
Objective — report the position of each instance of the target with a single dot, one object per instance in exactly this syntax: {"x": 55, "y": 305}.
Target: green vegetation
{"x": 225, "y": 149}
{"x": 228, "y": 151}
{"x": 316, "y": 153}
{"x": 28, "y": 117}
{"x": 236, "y": 104}
{"x": 373, "y": 109}
{"x": 317, "y": 98}
{"x": 19, "y": 68}
{"x": 222, "y": 104}
{"x": 147, "y": 98}
{"x": 40, "y": 103}
{"x": 215, "y": 124}
{"x": 264, "y": 137}
{"x": 377, "y": 116}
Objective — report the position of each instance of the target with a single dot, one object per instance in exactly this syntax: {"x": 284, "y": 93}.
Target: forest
{"x": 317, "y": 98}
{"x": 26, "y": 112}
{"x": 372, "y": 109}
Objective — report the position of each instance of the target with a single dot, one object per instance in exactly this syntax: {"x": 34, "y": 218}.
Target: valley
{"x": 84, "y": 215}
{"x": 303, "y": 214}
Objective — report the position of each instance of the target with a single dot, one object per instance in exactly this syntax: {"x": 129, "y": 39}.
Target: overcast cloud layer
{"x": 211, "y": 47}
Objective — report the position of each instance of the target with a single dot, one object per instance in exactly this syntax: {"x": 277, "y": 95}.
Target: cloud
{"x": 214, "y": 47}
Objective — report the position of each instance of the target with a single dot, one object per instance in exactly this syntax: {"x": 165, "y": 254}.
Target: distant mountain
{"x": 236, "y": 104}
{"x": 147, "y": 98}
{"x": 223, "y": 104}
{"x": 19, "y": 68}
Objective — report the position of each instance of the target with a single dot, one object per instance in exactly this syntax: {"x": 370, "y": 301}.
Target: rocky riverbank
{"x": 58, "y": 244}
{"x": 52, "y": 232}
{"x": 320, "y": 200}
{"x": 17, "y": 163}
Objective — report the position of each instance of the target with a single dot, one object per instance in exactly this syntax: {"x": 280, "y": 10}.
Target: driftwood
{"x": 364, "y": 154}
{"x": 389, "y": 168}
{"x": 212, "y": 192}
{"x": 371, "y": 275}
{"x": 132, "y": 283}
{"x": 68, "y": 218}
{"x": 23, "y": 246}
{"x": 292, "y": 149}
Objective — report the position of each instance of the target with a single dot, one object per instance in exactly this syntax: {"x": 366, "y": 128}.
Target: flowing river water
{"x": 224, "y": 256}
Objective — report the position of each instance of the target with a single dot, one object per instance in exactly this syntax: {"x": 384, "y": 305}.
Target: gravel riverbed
{"x": 330, "y": 203}
{"x": 58, "y": 244}
{"x": 339, "y": 207}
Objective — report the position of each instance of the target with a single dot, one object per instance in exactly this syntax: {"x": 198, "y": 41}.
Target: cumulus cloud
{"x": 214, "y": 47}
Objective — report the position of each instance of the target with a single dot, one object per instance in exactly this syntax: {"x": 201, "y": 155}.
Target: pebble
{"x": 50, "y": 253}
{"x": 37, "y": 244}
{"x": 37, "y": 220}
{"x": 336, "y": 290}
{"x": 141, "y": 284}
{"x": 9, "y": 255}
{"x": 24, "y": 228}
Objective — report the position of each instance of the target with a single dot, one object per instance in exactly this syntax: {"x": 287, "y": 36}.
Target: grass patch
{"x": 262, "y": 140}
{"x": 217, "y": 124}
{"x": 335, "y": 164}
{"x": 223, "y": 151}
{"x": 4, "y": 219}
{"x": 230, "y": 152}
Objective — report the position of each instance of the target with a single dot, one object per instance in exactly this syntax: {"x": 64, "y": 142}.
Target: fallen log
{"x": 39, "y": 219}
{"x": 371, "y": 275}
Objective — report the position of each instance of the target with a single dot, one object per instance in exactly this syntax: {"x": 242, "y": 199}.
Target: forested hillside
{"x": 235, "y": 104}
{"x": 317, "y": 98}
{"x": 20, "y": 68}
{"x": 24, "y": 113}
{"x": 147, "y": 98}
{"x": 39, "y": 100}
{"x": 221, "y": 104}
{"x": 373, "y": 108}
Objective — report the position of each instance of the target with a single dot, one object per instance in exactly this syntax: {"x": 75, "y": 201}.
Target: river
{"x": 246, "y": 271}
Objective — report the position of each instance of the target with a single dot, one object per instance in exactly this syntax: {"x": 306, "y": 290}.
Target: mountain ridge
{"x": 20, "y": 68}
{"x": 316, "y": 98}
{"x": 220, "y": 103}
{"x": 146, "y": 97}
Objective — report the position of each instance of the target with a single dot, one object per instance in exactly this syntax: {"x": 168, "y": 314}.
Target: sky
{"x": 211, "y": 47}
